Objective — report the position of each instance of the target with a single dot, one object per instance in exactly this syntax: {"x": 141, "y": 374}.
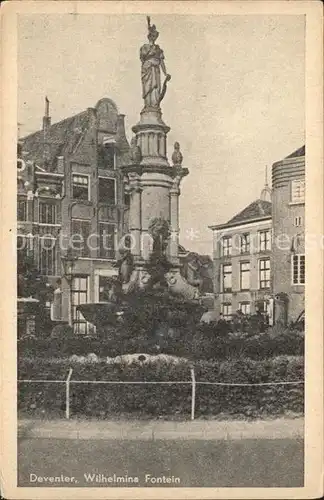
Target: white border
{"x": 314, "y": 222}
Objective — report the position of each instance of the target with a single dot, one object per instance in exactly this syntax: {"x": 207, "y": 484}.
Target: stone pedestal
{"x": 151, "y": 132}
{"x": 153, "y": 186}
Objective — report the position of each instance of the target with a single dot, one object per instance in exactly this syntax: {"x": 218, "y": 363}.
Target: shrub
{"x": 153, "y": 401}
{"x": 62, "y": 331}
{"x": 198, "y": 343}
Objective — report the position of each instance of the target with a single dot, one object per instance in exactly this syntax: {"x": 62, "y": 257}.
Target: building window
{"x": 298, "y": 270}
{"x": 107, "y": 191}
{"x": 79, "y": 295}
{"x": 298, "y": 191}
{"x": 264, "y": 273}
{"x": 266, "y": 308}
{"x": 227, "y": 311}
{"x": 106, "y": 288}
{"x": 298, "y": 221}
{"x": 21, "y": 165}
{"x": 22, "y": 249}
{"x": 127, "y": 200}
{"x": 227, "y": 278}
{"x": 47, "y": 213}
{"x": 107, "y": 240}
{"x": 80, "y": 241}
{"x": 264, "y": 240}
{"x": 22, "y": 211}
{"x": 226, "y": 248}
{"x": 56, "y": 305}
{"x": 245, "y": 307}
{"x": 47, "y": 256}
{"x": 244, "y": 275}
{"x": 80, "y": 187}
{"x": 106, "y": 156}
{"x": 245, "y": 243}
{"x": 60, "y": 163}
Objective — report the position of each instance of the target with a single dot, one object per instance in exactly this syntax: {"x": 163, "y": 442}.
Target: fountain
{"x": 149, "y": 281}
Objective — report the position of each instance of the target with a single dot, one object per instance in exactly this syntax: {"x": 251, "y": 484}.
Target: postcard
{"x": 162, "y": 249}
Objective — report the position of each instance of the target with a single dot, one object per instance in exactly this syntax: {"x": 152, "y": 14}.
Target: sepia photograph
{"x": 163, "y": 248}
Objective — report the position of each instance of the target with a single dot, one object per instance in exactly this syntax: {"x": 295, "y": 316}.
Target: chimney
{"x": 46, "y": 117}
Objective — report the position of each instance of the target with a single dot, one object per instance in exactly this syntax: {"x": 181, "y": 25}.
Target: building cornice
{"x": 242, "y": 223}
{"x": 286, "y": 170}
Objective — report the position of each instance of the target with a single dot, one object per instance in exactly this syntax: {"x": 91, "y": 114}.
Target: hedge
{"x": 202, "y": 344}
{"x": 164, "y": 401}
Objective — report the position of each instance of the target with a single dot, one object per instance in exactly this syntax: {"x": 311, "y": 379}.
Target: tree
{"x": 30, "y": 283}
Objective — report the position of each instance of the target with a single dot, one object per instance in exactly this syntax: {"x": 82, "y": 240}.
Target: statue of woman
{"x": 152, "y": 58}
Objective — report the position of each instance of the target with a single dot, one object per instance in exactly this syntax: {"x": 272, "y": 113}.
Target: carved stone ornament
{"x": 158, "y": 226}
{"x": 177, "y": 155}
{"x": 135, "y": 152}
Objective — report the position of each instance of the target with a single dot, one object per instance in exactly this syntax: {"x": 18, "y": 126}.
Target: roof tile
{"x": 297, "y": 153}
{"x": 57, "y": 136}
{"x": 258, "y": 209}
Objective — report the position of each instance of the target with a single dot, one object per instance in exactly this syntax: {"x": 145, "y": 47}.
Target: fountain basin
{"x": 100, "y": 314}
{"x": 156, "y": 305}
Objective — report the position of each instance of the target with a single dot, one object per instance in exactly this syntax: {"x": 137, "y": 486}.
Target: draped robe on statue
{"x": 151, "y": 57}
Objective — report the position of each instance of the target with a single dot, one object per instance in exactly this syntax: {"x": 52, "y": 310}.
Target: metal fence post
{"x": 67, "y": 394}
{"x": 193, "y": 393}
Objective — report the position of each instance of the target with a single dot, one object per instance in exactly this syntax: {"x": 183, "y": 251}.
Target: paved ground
{"x": 154, "y": 429}
{"x": 218, "y": 463}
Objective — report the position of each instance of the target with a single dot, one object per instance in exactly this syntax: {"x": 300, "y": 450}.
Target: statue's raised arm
{"x": 152, "y": 59}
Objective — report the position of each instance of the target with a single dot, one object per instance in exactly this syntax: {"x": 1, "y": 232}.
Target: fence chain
{"x": 193, "y": 382}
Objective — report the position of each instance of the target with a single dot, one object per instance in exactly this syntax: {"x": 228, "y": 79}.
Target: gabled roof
{"x": 69, "y": 130}
{"x": 297, "y": 153}
{"x": 257, "y": 210}
{"x": 73, "y": 134}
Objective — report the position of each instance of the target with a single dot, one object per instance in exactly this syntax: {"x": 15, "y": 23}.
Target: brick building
{"x": 288, "y": 219}
{"x": 70, "y": 193}
{"x": 242, "y": 261}
{"x": 259, "y": 255}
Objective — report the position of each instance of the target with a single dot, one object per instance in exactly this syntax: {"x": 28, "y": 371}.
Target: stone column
{"x": 174, "y": 222}
{"x": 135, "y": 225}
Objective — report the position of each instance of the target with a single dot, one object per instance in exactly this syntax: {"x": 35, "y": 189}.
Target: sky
{"x": 235, "y": 102}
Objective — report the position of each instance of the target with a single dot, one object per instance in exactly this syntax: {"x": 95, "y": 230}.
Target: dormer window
{"x": 107, "y": 154}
